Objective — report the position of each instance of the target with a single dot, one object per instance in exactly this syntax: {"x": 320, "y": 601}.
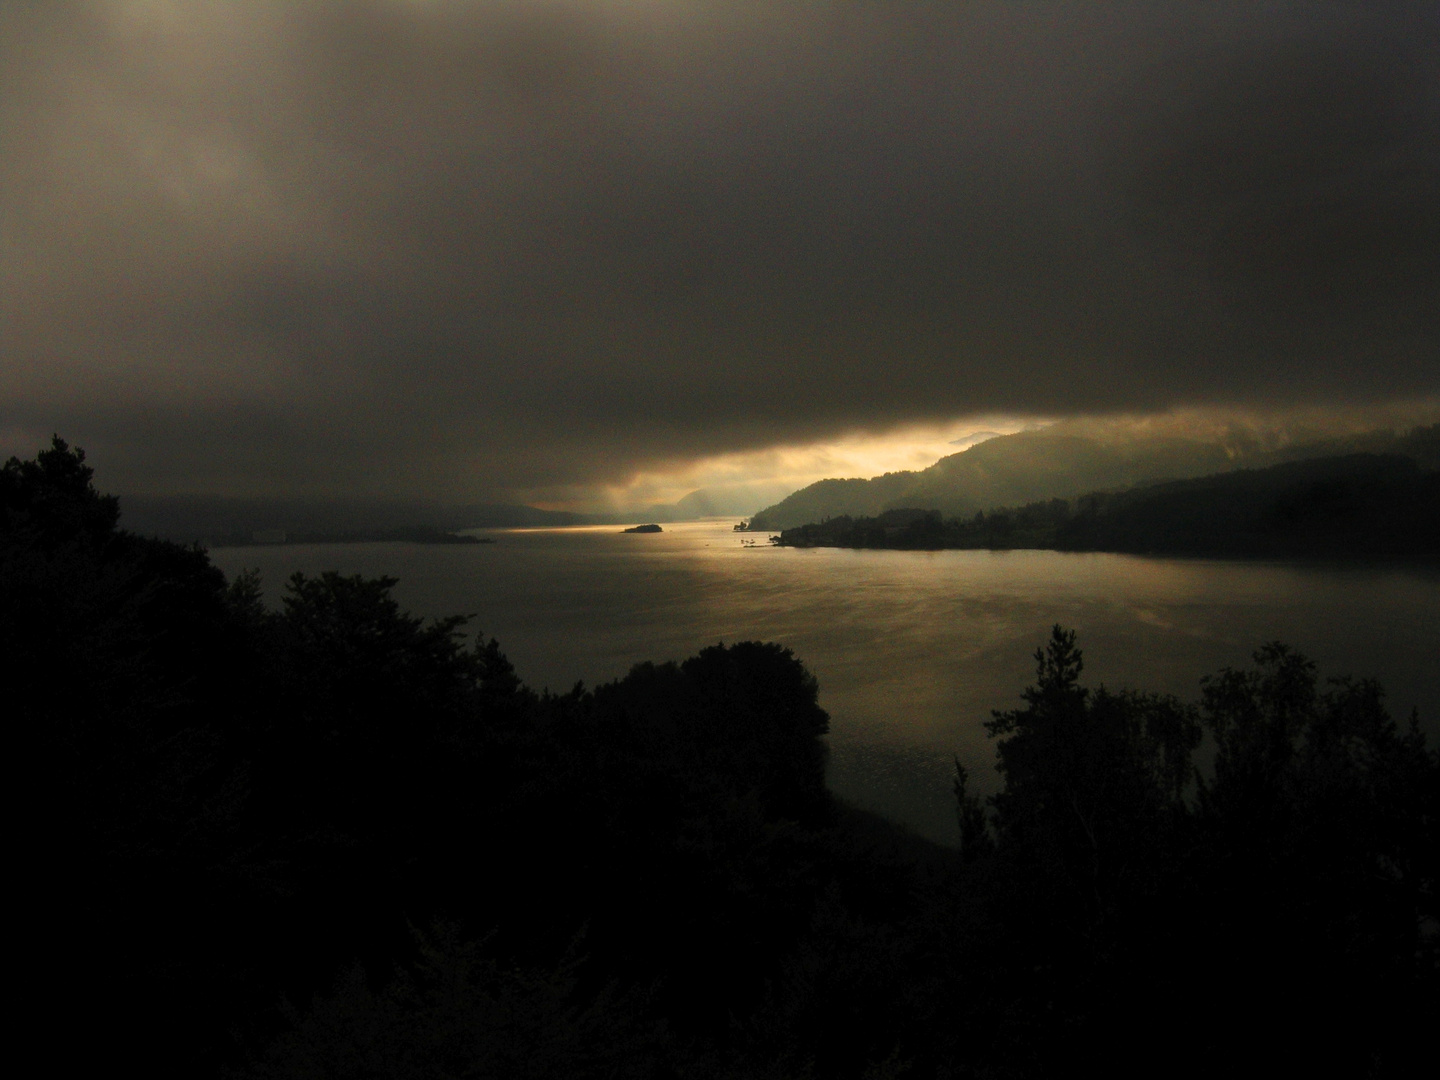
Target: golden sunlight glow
{"x": 749, "y": 481}
{"x": 773, "y": 473}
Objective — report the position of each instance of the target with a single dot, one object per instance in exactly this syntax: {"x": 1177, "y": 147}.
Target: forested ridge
{"x": 335, "y": 840}
{"x": 1353, "y": 506}
{"x": 1070, "y": 459}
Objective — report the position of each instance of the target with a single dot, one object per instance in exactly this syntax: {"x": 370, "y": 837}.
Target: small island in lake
{"x": 645, "y": 529}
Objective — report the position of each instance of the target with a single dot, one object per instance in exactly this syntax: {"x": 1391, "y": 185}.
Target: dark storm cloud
{"x": 460, "y": 247}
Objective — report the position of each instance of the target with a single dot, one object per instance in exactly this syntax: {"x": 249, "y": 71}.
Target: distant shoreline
{"x": 405, "y": 536}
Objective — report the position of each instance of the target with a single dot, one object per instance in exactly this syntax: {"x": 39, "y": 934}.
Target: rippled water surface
{"x": 912, "y": 649}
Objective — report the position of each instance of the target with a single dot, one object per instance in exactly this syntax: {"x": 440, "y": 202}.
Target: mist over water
{"x": 912, "y": 649}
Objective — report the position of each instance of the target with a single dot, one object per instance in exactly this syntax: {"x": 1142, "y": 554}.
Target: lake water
{"x": 912, "y": 649}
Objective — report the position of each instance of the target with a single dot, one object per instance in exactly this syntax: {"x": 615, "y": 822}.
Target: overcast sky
{"x": 489, "y": 249}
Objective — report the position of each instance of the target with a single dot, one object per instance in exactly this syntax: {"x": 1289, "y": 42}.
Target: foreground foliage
{"x": 335, "y": 840}
{"x": 1251, "y": 875}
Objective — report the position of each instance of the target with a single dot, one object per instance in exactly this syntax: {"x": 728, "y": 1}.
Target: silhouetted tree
{"x": 1319, "y": 863}
{"x": 52, "y": 500}
{"x": 1294, "y": 874}
{"x": 975, "y": 839}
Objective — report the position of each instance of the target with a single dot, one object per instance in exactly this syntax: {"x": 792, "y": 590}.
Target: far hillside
{"x": 1071, "y": 459}
{"x": 1352, "y": 506}
{"x": 221, "y": 521}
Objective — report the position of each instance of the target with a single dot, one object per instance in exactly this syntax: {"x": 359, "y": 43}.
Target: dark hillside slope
{"x": 1366, "y": 505}
{"x": 1067, "y": 460}
{"x": 1004, "y": 471}
{"x": 831, "y": 498}
{"x": 1356, "y": 506}
{"x": 1048, "y": 465}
